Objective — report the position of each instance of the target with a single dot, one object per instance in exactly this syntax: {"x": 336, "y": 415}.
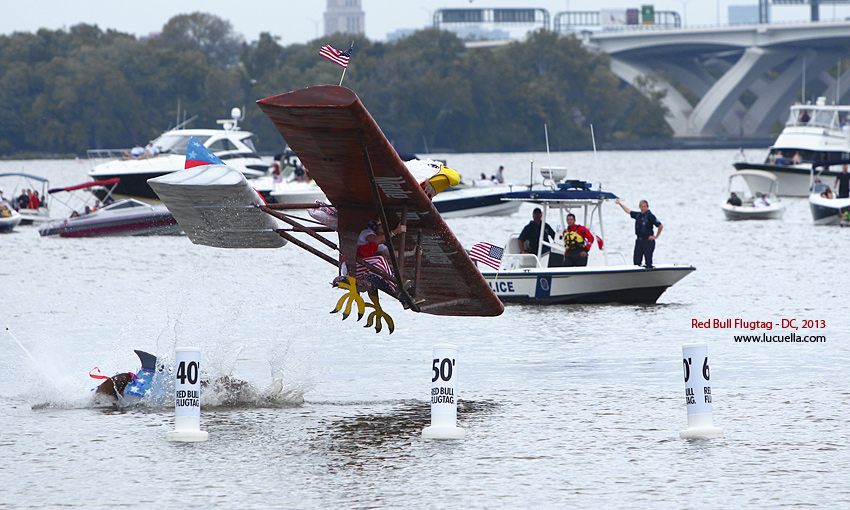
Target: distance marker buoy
{"x": 698, "y": 393}
{"x": 187, "y": 397}
{"x": 443, "y": 395}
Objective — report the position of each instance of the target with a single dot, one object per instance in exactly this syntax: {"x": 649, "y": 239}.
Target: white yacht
{"x": 813, "y": 133}
{"x": 229, "y": 143}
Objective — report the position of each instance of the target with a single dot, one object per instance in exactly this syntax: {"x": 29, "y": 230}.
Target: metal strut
{"x": 383, "y": 215}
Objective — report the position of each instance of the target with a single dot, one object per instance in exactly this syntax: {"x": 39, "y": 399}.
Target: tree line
{"x": 65, "y": 91}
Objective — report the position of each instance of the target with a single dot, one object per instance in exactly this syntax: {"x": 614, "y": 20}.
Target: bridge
{"x": 732, "y": 81}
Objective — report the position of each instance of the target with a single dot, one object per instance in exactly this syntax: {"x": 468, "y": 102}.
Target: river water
{"x": 564, "y": 406}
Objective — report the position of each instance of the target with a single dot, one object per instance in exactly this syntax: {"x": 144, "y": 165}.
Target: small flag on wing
{"x": 334, "y": 55}
{"x": 197, "y": 155}
{"x": 487, "y": 253}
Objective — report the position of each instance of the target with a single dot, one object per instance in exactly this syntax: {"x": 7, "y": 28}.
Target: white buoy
{"x": 443, "y": 395}
{"x": 187, "y": 397}
{"x": 698, "y": 393}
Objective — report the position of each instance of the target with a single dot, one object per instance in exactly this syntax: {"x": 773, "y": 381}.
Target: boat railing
{"x": 100, "y": 154}
{"x": 619, "y": 254}
{"x": 520, "y": 261}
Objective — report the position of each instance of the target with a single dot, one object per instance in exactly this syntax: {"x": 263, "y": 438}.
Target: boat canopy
{"x": 577, "y": 196}
{"x": 826, "y": 164}
{"x": 28, "y": 176}
{"x": 90, "y": 184}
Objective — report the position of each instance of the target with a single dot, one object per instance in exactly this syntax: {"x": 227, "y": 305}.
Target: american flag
{"x": 379, "y": 262}
{"x": 488, "y": 254}
{"x": 334, "y": 55}
{"x": 197, "y": 155}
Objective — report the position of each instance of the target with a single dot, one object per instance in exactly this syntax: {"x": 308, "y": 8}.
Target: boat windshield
{"x": 174, "y": 143}
{"x": 812, "y": 115}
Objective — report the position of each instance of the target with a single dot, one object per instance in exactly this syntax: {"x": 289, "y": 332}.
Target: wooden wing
{"x": 349, "y": 157}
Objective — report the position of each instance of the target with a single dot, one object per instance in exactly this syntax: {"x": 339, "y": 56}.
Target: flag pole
{"x": 346, "y": 67}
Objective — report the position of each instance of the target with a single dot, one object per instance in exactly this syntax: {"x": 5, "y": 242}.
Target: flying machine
{"x": 426, "y": 268}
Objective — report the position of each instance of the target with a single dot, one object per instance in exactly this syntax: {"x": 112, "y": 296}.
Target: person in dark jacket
{"x": 530, "y": 235}
{"x": 645, "y": 221}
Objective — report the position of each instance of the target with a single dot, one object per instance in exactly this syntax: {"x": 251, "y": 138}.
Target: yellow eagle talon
{"x": 378, "y": 315}
{"x": 349, "y": 299}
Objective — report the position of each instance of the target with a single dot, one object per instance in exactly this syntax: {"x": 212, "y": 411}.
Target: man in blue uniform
{"x": 530, "y": 235}
{"x": 644, "y": 223}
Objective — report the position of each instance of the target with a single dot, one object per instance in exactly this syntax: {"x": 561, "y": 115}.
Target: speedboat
{"x": 454, "y": 202}
{"x": 168, "y": 153}
{"x": 757, "y": 191}
{"x": 127, "y": 217}
{"x": 827, "y": 208}
{"x": 463, "y": 201}
{"x": 286, "y": 187}
{"x": 813, "y": 132}
{"x": 9, "y": 217}
{"x": 21, "y": 202}
{"x": 607, "y": 278}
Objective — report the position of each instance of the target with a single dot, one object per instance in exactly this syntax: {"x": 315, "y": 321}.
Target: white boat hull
{"x": 34, "y": 216}
{"x": 452, "y": 203}
{"x": 743, "y": 212}
{"x": 791, "y": 181}
{"x": 594, "y": 284}
{"x": 8, "y": 223}
{"x": 475, "y": 201}
{"x": 829, "y": 211}
{"x": 139, "y": 219}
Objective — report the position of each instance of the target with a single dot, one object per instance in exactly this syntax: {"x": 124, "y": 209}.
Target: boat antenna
{"x": 804, "y": 80}
{"x": 531, "y": 175}
{"x": 595, "y": 158}
{"x": 546, "y": 133}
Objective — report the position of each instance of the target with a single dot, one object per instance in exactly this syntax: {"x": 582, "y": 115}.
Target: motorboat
{"x": 827, "y": 208}
{"x": 756, "y": 190}
{"x": 22, "y": 185}
{"x": 286, "y": 185}
{"x": 454, "y": 202}
{"x": 9, "y": 217}
{"x": 463, "y": 201}
{"x": 812, "y": 133}
{"x": 124, "y": 217}
{"x": 607, "y": 277}
{"x": 167, "y": 154}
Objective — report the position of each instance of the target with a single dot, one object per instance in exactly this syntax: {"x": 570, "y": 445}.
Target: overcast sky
{"x": 299, "y": 21}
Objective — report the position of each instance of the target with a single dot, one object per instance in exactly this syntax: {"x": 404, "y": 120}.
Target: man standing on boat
{"x": 644, "y": 222}
{"x": 842, "y": 182}
{"x": 530, "y": 235}
{"x": 577, "y": 241}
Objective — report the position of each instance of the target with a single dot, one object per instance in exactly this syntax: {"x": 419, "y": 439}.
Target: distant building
{"x": 345, "y": 16}
{"x": 744, "y": 14}
{"x": 480, "y": 34}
